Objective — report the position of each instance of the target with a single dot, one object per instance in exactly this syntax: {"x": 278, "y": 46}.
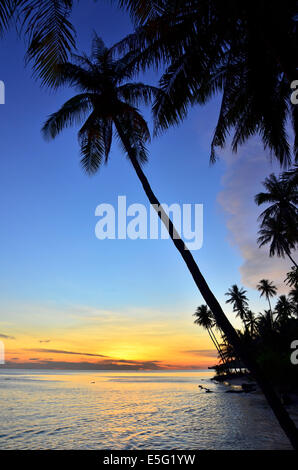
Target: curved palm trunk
{"x": 222, "y": 321}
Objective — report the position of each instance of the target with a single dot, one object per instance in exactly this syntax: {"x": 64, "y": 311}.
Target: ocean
{"x": 130, "y": 410}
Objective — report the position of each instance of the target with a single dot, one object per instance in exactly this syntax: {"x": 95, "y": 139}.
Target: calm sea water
{"x": 130, "y": 410}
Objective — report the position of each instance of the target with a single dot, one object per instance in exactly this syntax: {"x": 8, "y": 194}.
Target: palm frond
{"x": 50, "y": 34}
{"x": 72, "y": 112}
{"x": 7, "y": 9}
{"x": 92, "y": 144}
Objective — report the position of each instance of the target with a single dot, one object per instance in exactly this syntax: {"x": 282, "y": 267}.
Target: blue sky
{"x": 49, "y": 252}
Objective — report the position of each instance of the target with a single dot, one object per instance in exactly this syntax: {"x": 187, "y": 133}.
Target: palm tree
{"x": 251, "y": 322}
{"x": 282, "y": 195}
{"x": 292, "y": 277}
{"x": 211, "y": 46}
{"x": 283, "y": 309}
{"x": 268, "y": 289}
{"x": 293, "y": 295}
{"x": 279, "y": 221}
{"x": 205, "y": 319}
{"x": 265, "y": 324}
{"x": 107, "y": 101}
{"x": 275, "y": 232}
{"x": 239, "y": 301}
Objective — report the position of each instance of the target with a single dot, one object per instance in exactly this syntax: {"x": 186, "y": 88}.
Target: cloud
{"x": 241, "y": 182}
{"x": 61, "y": 351}
{"x": 201, "y": 352}
{"x": 6, "y": 336}
{"x": 44, "y": 340}
{"x": 105, "y": 365}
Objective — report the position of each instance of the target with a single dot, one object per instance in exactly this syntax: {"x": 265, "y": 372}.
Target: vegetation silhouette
{"x": 267, "y": 336}
{"x": 279, "y": 222}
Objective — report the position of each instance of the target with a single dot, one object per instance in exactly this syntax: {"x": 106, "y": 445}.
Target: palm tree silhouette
{"x": 211, "y": 46}
{"x": 279, "y": 221}
{"x": 251, "y": 322}
{"x": 283, "y": 309}
{"x": 282, "y": 195}
{"x": 292, "y": 277}
{"x": 268, "y": 289}
{"x": 205, "y": 319}
{"x": 239, "y": 301}
{"x": 107, "y": 101}
{"x": 275, "y": 233}
{"x": 293, "y": 295}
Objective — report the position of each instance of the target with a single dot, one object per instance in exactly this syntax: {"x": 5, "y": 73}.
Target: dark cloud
{"x": 6, "y": 336}
{"x": 44, "y": 340}
{"x": 61, "y": 351}
{"x": 105, "y": 365}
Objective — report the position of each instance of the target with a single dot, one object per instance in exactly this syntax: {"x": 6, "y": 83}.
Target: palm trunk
{"x": 222, "y": 321}
{"x": 271, "y": 314}
{"x": 215, "y": 342}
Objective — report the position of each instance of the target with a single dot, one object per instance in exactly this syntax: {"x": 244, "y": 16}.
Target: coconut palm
{"x": 205, "y": 319}
{"x": 251, "y": 322}
{"x": 292, "y": 277}
{"x": 275, "y": 233}
{"x": 211, "y": 46}
{"x": 293, "y": 295}
{"x": 265, "y": 324}
{"x": 283, "y": 309}
{"x": 239, "y": 301}
{"x": 107, "y": 101}
{"x": 282, "y": 195}
{"x": 268, "y": 289}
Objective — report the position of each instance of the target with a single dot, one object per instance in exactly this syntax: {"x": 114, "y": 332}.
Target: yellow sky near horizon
{"x": 145, "y": 339}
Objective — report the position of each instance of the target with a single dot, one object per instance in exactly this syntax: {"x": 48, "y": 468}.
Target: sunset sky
{"x": 70, "y": 300}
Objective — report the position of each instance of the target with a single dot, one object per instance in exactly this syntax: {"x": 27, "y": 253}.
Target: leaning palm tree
{"x": 107, "y": 101}
{"x": 268, "y": 289}
{"x": 205, "y": 319}
{"x": 237, "y": 297}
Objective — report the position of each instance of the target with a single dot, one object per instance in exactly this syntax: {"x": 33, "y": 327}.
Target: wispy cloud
{"x": 6, "y": 336}
{"x": 44, "y": 340}
{"x": 83, "y": 365}
{"x": 62, "y": 351}
{"x": 241, "y": 182}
